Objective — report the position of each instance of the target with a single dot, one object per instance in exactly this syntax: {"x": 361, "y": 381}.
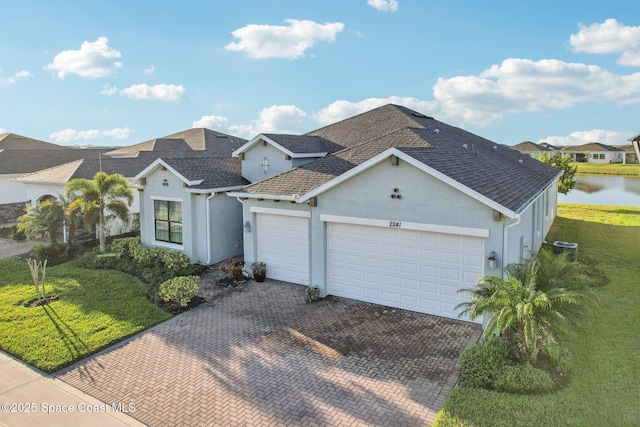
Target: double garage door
{"x": 410, "y": 269}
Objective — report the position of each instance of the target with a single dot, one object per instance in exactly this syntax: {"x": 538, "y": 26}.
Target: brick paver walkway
{"x": 258, "y": 355}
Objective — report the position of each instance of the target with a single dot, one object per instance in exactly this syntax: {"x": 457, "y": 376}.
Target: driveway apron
{"x": 260, "y": 355}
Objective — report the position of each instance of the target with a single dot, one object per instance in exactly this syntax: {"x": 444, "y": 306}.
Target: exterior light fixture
{"x": 265, "y": 165}
{"x": 247, "y": 227}
{"x": 493, "y": 259}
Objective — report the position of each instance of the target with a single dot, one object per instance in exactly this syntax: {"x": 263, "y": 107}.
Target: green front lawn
{"x": 608, "y": 169}
{"x": 605, "y": 387}
{"x": 94, "y": 309}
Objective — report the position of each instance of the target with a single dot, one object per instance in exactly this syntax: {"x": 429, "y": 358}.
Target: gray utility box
{"x": 572, "y": 248}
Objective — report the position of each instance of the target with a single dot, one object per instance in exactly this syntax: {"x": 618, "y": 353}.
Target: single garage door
{"x": 283, "y": 245}
{"x": 414, "y": 270}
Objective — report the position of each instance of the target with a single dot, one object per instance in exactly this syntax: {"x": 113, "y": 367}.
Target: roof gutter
{"x": 242, "y": 195}
{"x": 208, "y": 216}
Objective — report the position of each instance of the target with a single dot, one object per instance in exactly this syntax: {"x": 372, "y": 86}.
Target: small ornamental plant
{"x": 233, "y": 269}
{"x": 179, "y": 290}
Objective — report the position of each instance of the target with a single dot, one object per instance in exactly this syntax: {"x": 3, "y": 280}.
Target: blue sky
{"x": 123, "y": 72}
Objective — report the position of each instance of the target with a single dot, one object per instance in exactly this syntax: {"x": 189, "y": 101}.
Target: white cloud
{"x": 67, "y": 135}
{"x": 3, "y": 130}
{"x": 118, "y": 133}
{"x": 290, "y": 42}
{"x": 609, "y": 137}
{"x": 342, "y": 109}
{"x": 15, "y": 77}
{"x": 109, "y": 90}
{"x": 610, "y": 36}
{"x": 384, "y": 5}
{"x": 274, "y": 119}
{"x": 150, "y": 70}
{"x": 211, "y": 122}
{"x": 522, "y": 85}
{"x": 93, "y": 59}
{"x": 161, "y": 92}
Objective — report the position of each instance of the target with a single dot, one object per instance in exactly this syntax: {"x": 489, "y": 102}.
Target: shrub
{"x": 523, "y": 379}
{"x": 481, "y": 364}
{"x": 233, "y": 269}
{"x": 179, "y": 290}
{"x": 17, "y": 234}
{"x": 56, "y": 254}
{"x": 125, "y": 246}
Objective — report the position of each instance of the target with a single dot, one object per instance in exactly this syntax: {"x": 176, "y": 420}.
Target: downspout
{"x": 208, "y": 226}
{"x": 505, "y": 233}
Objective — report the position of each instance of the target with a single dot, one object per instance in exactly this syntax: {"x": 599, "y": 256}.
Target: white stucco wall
{"x": 206, "y": 243}
{"x": 11, "y": 191}
{"x": 253, "y": 158}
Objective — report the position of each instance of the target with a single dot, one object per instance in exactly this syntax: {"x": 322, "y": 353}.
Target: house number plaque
{"x": 395, "y": 224}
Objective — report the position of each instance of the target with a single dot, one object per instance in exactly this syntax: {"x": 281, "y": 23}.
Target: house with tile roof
{"x": 532, "y": 149}
{"x": 595, "y": 152}
{"x": 391, "y": 207}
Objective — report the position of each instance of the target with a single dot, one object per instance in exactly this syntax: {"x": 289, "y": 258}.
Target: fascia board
{"x": 160, "y": 162}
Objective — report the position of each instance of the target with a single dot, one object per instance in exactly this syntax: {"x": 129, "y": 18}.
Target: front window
{"x": 168, "y": 217}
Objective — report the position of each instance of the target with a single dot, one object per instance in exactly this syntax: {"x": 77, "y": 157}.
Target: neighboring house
{"x": 595, "y": 152}
{"x": 48, "y": 184}
{"x": 532, "y": 149}
{"x": 402, "y": 210}
{"x": 183, "y": 202}
{"x": 635, "y": 143}
{"x": 20, "y": 155}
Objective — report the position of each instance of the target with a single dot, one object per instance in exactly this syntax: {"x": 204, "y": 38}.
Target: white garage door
{"x": 414, "y": 270}
{"x": 283, "y": 244}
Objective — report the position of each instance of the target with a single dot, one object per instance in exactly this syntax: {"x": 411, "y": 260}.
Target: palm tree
{"x": 105, "y": 194}
{"x": 46, "y": 219}
{"x": 535, "y": 304}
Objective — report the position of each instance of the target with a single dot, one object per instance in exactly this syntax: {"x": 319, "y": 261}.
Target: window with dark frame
{"x": 168, "y": 220}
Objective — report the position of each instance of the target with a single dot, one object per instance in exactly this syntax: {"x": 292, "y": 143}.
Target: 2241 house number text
{"x": 395, "y": 224}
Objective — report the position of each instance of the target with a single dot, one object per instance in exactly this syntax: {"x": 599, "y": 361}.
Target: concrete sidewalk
{"x": 26, "y": 395}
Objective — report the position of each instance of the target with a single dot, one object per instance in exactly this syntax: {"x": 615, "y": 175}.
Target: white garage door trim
{"x": 437, "y": 228}
{"x": 404, "y": 268}
{"x": 283, "y": 245}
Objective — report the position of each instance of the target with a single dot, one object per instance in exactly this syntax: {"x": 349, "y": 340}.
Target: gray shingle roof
{"x": 205, "y": 141}
{"x": 527, "y": 146}
{"x": 304, "y": 144}
{"x": 22, "y": 161}
{"x": 496, "y": 172}
{"x": 592, "y": 146}
{"x": 216, "y": 172}
{"x": 11, "y": 141}
{"x": 87, "y": 168}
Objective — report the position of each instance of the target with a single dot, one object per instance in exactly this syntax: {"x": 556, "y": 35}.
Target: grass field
{"x": 608, "y": 169}
{"x": 605, "y": 387}
{"x": 94, "y": 309}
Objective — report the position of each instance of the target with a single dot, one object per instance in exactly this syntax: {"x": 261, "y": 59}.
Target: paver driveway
{"x": 258, "y": 355}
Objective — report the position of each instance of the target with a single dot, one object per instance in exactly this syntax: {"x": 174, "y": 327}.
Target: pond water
{"x": 604, "y": 190}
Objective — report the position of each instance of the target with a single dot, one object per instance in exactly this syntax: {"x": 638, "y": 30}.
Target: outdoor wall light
{"x": 247, "y": 227}
{"x": 493, "y": 259}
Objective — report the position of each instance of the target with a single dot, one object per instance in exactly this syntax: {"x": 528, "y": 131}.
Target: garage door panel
{"x": 416, "y": 270}
{"x": 283, "y": 245}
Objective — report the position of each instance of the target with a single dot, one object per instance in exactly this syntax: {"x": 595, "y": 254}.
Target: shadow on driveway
{"x": 259, "y": 355}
